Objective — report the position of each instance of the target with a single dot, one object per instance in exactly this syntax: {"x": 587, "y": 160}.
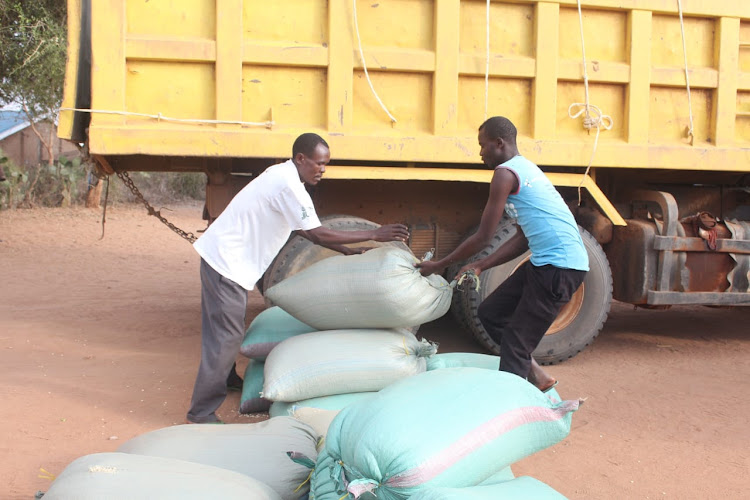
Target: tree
{"x": 32, "y": 54}
{"x": 33, "y": 47}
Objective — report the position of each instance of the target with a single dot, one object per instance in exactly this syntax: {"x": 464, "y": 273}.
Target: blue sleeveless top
{"x": 545, "y": 218}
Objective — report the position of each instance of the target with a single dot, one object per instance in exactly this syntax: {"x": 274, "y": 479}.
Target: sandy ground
{"x": 99, "y": 342}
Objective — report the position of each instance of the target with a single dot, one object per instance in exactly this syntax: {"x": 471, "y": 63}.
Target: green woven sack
{"x": 521, "y": 488}
{"x": 453, "y": 427}
{"x": 268, "y": 329}
{"x": 252, "y": 385}
{"x": 463, "y": 359}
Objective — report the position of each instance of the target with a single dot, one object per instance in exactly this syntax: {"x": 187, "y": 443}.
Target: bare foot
{"x": 539, "y": 378}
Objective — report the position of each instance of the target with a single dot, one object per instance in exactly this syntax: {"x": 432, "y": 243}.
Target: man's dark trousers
{"x": 518, "y": 313}
{"x": 223, "y": 305}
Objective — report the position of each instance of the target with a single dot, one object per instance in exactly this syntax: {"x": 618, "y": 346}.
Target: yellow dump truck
{"x": 637, "y": 110}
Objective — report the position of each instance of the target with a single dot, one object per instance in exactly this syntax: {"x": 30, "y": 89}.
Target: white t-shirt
{"x": 243, "y": 241}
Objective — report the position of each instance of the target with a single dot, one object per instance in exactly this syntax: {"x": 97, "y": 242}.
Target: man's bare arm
{"x": 503, "y": 183}
{"x": 335, "y": 240}
{"x": 516, "y": 245}
{"x": 332, "y": 246}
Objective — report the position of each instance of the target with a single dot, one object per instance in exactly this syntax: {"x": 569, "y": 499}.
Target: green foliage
{"x": 66, "y": 182}
{"x": 11, "y": 188}
{"x": 32, "y": 54}
{"x": 60, "y": 184}
{"x": 160, "y": 188}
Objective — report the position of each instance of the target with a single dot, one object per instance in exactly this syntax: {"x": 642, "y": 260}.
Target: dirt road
{"x": 99, "y": 342}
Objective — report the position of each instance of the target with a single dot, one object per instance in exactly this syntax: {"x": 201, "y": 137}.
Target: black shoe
{"x": 234, "y": 381}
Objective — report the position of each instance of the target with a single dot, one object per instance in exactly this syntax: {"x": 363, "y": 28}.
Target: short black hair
{"x": 306, "y": 144}
{"x": 499, "y": 127}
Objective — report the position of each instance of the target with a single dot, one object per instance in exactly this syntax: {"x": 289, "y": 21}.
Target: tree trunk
{"x": 94, "y": 194}
{"x": 28, "y": 196}
{"x": 46, "y": 144}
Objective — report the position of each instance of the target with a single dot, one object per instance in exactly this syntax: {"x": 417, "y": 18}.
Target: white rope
{"x": 160, "y": 117}
{"x": 364, "y": 64}
{"x": 687, "y": 76}
{"x": 598, "y": 119}
{"x": 487, "y": 63}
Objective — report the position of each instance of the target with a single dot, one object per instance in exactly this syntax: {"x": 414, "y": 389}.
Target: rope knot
{"x": 590, "y": 122}
{"x": 593, "y": 118}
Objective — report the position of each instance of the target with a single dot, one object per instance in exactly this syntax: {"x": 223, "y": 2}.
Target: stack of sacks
{"x": 266, "y": 331}
{"x": 214, "y": 461}
{"x": 361, "y": 306}
{"x": 448, "y": 428}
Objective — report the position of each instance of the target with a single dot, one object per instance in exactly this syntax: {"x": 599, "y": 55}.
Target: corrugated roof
{"x": 12, "y": 121}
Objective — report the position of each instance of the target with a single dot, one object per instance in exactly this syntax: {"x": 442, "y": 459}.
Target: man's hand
{"x": 429, "y": 267}
{"x": 473, "y": 266}
{"x": 391, "y": 232}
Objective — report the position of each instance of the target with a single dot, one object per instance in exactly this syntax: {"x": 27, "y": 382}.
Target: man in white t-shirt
{"x": 241, "y": 243}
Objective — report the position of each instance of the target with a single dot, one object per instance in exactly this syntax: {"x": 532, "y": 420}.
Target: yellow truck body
{"x": 399, "y": 88}
{"x": 293, "y": 66}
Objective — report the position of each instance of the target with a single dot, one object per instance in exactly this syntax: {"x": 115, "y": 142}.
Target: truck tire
{"x": 457, "y": 310}
{"x": 579, "y": 321}
{"x": 298, "y": 253}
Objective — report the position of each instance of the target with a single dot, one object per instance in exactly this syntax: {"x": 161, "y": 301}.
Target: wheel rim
{"x": 567, "y": 314}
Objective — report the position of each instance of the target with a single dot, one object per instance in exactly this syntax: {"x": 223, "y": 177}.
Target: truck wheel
{"x": 579, "y": 321}
{"x": 458, "y": 311}
{"x": 298, "y": 253}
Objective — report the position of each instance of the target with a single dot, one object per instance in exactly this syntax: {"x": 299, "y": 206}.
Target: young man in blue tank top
{"x": 520, "y": 311}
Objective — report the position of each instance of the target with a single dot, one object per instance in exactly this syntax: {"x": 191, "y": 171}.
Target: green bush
{"x": 11, "y": 188}
{"x": 59, "y": 184}
{"x": 160, "y": 188}
{"x": 67, "y": 181}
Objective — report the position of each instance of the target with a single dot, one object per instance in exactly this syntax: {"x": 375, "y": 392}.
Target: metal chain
{"x": 151, "y": 211}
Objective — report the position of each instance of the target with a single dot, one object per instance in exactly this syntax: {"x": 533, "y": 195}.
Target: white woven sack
{"x": 316, "y": 418}
{"x": 342, "y": 361}
{"x": 258, "y": 450}
{"x": 380, "y": 288}
{"x": 122, "y": 476}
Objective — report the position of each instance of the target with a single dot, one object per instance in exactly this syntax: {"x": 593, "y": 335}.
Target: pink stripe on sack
{"x": 477, "y": 438}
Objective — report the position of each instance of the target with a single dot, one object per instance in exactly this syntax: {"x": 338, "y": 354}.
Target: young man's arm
{"x": 516, "y": 245}
{"x": 503, "y": 183}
